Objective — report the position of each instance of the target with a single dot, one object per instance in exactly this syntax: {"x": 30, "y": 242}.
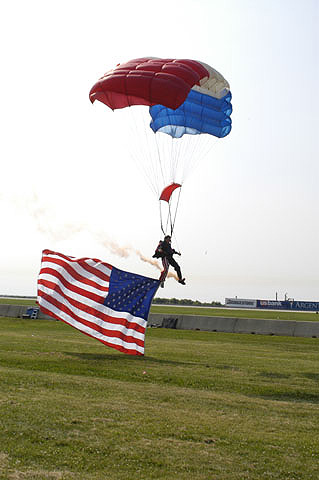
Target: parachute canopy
{"x": 187, "y": 100}
{"x": 184, "y": 96}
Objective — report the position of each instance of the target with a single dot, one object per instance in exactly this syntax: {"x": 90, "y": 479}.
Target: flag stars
{"x": 130, "y": 293}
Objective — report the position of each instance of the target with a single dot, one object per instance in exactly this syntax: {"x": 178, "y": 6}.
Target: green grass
{"x": 199, "y": 405}
{"x": 17, "y": 301}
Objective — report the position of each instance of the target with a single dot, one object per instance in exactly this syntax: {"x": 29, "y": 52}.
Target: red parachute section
{"x": 167, "y": 192}
{"x": 148, "y": 81}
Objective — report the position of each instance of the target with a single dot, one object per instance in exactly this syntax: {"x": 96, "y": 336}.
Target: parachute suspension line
{"x": 176, "y": 157}
{"x": 154, "y": 154}
{"x": 170, "y": 163}
{"x": 187, "y": 152}
{"x": 194, "y": 154}
{"x": 181, "y": 157}
{"x": 137, "y": 153}
{"x": 160, "y": 208}
{"x": 195, "y": 150}
{"x": 174, "y": 220}
{"x": 152, "y": 161}
{"x": 164, "y": 228}
{"x": 176, "y": 242}
{"x": 159, "y": 158}
{"x": 142, "y": 156}
{"x": 170, "y": 218}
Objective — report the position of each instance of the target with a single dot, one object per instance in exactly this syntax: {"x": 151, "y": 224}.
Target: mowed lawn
{"x": 198, "y": 406}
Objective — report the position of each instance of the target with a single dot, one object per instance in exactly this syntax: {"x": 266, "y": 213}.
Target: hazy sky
{"x": 248, "y": 217}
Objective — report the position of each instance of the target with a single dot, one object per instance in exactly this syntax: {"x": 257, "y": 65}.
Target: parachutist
{"x": 165, "y": 251}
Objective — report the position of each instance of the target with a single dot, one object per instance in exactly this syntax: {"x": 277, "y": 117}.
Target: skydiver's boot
{"x": 182, "y": 281}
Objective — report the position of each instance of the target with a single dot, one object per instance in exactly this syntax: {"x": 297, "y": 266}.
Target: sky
{"x": 247, "y": 223}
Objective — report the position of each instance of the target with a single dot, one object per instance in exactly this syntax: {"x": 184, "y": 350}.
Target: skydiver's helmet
{"x": 168, "y": 238}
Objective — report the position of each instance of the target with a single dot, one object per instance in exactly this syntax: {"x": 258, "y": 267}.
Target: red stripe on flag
{"x": 75, "y": 274}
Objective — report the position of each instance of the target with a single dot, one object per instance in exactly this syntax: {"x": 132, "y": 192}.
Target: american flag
{"x": 101, "y": 301}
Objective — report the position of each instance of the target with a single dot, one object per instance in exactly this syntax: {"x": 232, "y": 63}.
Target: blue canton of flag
{"x": 130, "y": 292}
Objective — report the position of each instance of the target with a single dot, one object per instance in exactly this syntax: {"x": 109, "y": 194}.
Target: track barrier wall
{"x": 207, "y": 324}
{"x": 236, "y": 325}
{"x": 19, "y": 311}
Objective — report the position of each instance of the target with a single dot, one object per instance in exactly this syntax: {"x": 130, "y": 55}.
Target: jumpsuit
{"x": 167, "y": 253}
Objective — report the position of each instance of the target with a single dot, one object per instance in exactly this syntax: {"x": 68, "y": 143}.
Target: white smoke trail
{"x": 126, "y": 251}
{"x": 155, "y": 263}
{"x": 46, "y": 222}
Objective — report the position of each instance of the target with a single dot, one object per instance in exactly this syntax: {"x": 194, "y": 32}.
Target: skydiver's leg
{"x": 176, "y": 267}
{"x": 164, "y": 271}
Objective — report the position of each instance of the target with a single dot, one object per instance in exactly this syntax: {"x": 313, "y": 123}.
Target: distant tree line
{"x": 158, "y": 301}
{"x": 185, "y": 301}
{"x": 18, "y": 296}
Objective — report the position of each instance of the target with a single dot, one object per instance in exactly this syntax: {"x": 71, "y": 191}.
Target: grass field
{"x": 198, "y": 406}
{"x": 17, "y": 301}
{"x": 221, "y": 312}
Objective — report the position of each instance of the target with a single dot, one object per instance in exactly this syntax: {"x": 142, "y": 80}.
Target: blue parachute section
{"x": 199, "y": 113}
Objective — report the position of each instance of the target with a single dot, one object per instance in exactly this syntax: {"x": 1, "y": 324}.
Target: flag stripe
{"x": 101, "y": 270}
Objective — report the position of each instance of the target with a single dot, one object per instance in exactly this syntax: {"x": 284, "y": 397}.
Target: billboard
{"x": 306, "y": 306}
{"x": 240, "y": 302}
{"x": 289, "y": 305}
